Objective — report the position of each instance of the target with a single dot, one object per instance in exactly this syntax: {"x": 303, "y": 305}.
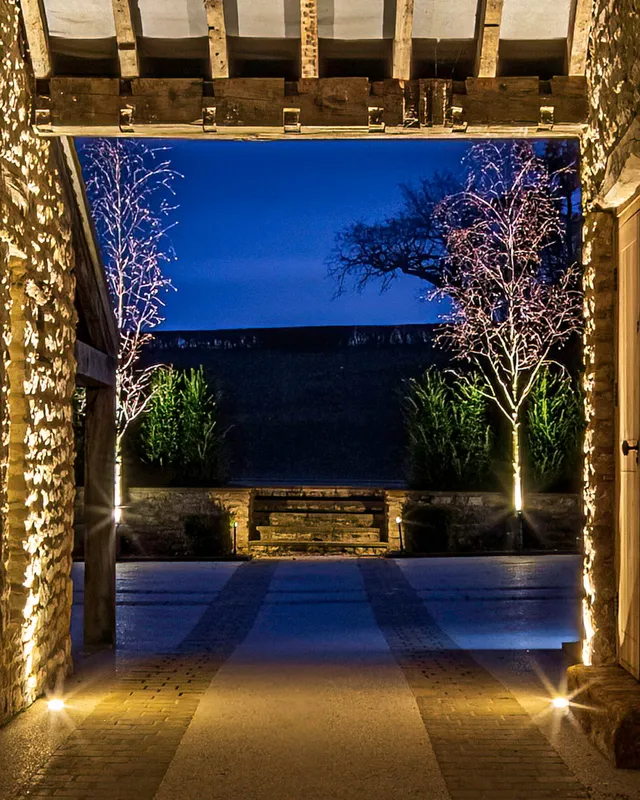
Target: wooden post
{"x": 488, "y": 24}
{"x": 100, "y": 533}
{"x": 309, "y": 59}
{"x": 578, "y": 36}
{"x": 218, "y": 55}
{"x": 402, "y": 40}
{"x": 35, "y": 25}
{"x": 126, "y": 38}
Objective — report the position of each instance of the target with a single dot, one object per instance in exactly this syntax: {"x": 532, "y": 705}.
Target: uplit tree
{"x": 511, "y": 308}
{"x": 130, "y": 188}
{"x": 411, "y": 241}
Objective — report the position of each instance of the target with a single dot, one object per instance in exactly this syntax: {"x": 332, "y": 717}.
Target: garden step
{"x": 307, "y": 504}
{"x": 317, "y": 533}
{"x": 287, "y": 547}
{"x": 322, "y": 518}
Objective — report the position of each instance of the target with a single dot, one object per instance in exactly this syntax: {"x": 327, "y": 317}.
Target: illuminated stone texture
{"x": 610, "y": 155}
{"x": 36, "y": 378}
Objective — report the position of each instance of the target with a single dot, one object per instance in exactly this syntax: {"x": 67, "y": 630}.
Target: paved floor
{"x": 302, "y": 680}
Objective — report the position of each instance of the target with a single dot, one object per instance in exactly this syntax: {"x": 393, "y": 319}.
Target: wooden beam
{"x": 402, "y": 40}
{"x": 126, "y": 39}
{"x": 100, "y": 529}
{"x": 37, "y": 30}
{"x": 218, "y": 52}
{"x": 93, "y": 367}
{"x": 488, "y": 23}
{"x": 578, "y": 36}
{"x": 325, "y": 106}
{"x": 309, "y": 59}
{"x": 92, "y": 291}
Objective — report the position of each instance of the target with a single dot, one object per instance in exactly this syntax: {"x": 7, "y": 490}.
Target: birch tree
{"x": 511, "y": 310}
{"x": 130, "y": 189}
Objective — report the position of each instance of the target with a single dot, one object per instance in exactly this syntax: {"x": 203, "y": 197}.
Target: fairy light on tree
{"x": 511, "y": 307}
{"x": 130, "y": 187}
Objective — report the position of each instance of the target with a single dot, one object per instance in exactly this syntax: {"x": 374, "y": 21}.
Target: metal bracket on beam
{"x": 42, "y": 122}
{"x": 209, "y": 119}
{"x": 458, "y": 124}
{"x": 546, "y": 119}
{"x": 376, "y": 122}
{"x": 126, "y": 119}
{"x": 291, "y": 120}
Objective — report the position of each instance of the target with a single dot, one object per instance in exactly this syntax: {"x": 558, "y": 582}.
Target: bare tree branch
{"x": 509, "y": 312}
{"x": 130, "y": 187}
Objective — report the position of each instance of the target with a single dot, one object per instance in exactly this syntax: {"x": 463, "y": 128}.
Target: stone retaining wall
{"x": 192, "y": 522}
{"x": 465, "y": 522}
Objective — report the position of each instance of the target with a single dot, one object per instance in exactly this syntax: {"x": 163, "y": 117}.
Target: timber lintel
{"x": 326, "y": 106}
{"x": 93, "y": 367}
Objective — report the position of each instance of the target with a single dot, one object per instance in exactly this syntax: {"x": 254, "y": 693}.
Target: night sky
{"x": 256, "y": 221}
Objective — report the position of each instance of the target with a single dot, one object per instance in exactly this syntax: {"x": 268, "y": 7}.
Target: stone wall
{"x": 610, "y": 168}
{"x": 467, "y": 522}
{"x": 37, "y": 318}
{"x": 179, "y": 523}
{"x": 188, "y": 522}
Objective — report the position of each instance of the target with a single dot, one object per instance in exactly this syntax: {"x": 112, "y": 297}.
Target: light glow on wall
{"x": 589, "y": 482}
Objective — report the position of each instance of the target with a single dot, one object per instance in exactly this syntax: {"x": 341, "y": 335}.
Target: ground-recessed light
{"x": 55, "y": 704}
{"x": 560, "y": 702}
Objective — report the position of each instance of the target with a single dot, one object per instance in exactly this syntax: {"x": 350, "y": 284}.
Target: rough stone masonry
{"x": 37, "y": 375}
{"x": 610, "y": 161}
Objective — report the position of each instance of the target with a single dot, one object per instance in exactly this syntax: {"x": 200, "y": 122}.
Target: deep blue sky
{"x": 256, "y": 221}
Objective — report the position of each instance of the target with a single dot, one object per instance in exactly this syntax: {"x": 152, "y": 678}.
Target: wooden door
{"x": 629, "y": 436}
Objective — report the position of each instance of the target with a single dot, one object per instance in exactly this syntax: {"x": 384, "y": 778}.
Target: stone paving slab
{"x": 123, "y": 748}
{"x": 486, "y": 744}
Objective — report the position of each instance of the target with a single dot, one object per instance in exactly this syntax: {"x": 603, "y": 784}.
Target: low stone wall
{"x": 179, "y": 522}
{"x": 193, "y": 522}
{"x": 464, "y": 522}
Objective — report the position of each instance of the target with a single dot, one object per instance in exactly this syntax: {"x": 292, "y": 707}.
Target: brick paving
{"x": 485, "y": 743}
{"x": 124, "y": 747}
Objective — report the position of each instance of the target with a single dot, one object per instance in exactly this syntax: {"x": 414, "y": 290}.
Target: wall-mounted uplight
{"x": 55, "y": 704}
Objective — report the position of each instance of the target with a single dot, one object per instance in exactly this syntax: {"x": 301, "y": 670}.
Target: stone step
{"x": 296, "y": 547}
{"x": 306, "y": 504}
{"x": 320, "y": 518}
{"x": 317, "y": 533}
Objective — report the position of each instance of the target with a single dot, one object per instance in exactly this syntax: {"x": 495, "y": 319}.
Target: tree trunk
{"x": 516, "y": 465}
{"x": 117, "y": 477}
{"x": 517, "y": 533}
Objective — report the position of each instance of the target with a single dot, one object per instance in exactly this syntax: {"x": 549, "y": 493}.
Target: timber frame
{"x": 312, "y": 107}
{"x": 96, "y": 352}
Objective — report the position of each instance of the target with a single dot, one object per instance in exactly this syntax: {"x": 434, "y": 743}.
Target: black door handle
{"x": 627, "y": 448}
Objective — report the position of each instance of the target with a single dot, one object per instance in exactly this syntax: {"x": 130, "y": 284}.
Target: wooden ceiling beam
{"x": 402, "y": 40}
{"x": 218, "y": 49}
{"x": 578, "y": 36}
{"x": 126, "y": 39}
{"x": 309, "y": 51}
{"x": 37, "y": 31}
{"x": 488, "y": 22}
{"x": 331, "y": 106}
